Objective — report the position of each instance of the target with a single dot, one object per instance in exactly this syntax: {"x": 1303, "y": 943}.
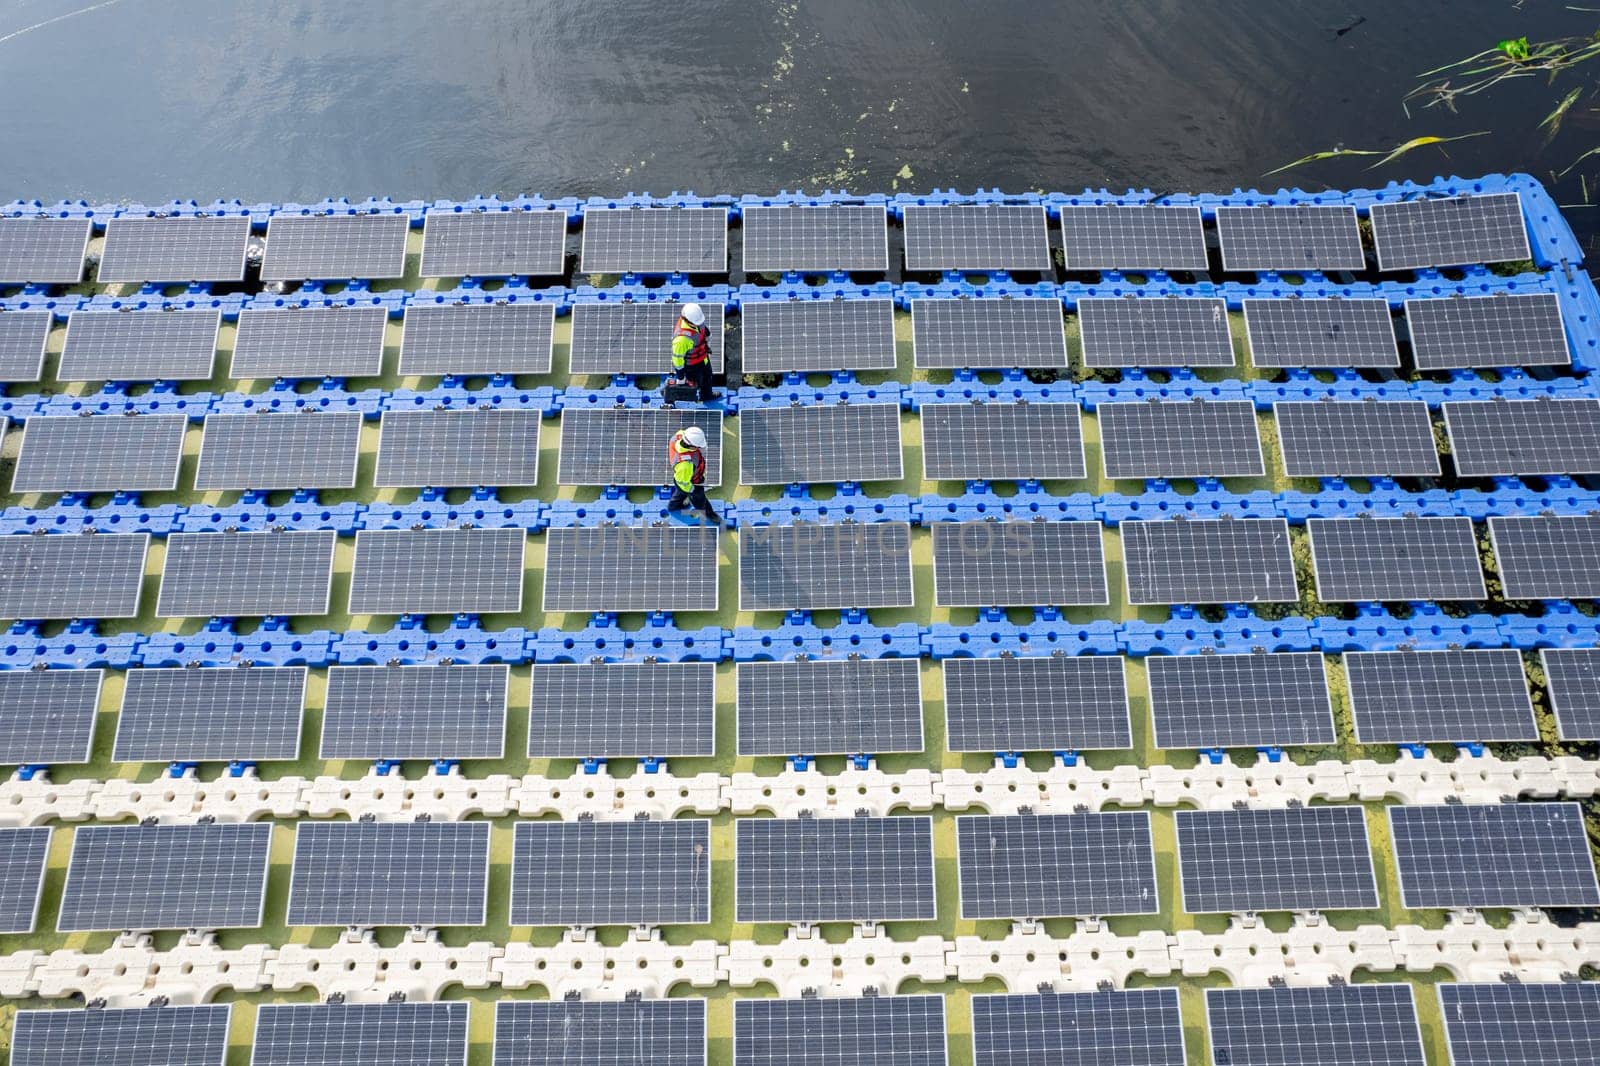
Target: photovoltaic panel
{"x": 331, "y": 247}
{"x": 814, "y": 239}
{"x": 1002, "y": 441}
{"x": 830, "y": 707}
{"x": 1289, "y": 859}
{"x": 988, "y": 333}
{"x": 1155, "y": 331}
{"x": 977, "y": 237}
{"x": 1451, "y": 231}
{"x": 1180, "y": 438}
{"x": 1428, "y": 697}
{"x": 1290, "y": 237}
{"x": 1018, "y": 564}
{"x": 390, "y": 873}
{"x": 46, "y": 251}
{"x": 1237, "y": 701}
{"x": 437, "y": 571}
{"x": 1391, "y": 438}
{"x": 1572, "y": 678}
{"x": 793, "y": 335}
{"x": 1036, "y": 703}
{"x": 655, "y": 240}
{"x": 621, "y": 710}
{"x": 47, "y": 716}
{"x": 1522, "y": 1024}
{"x": 1370, "y": 559}
{"x": 309, "y": 342}
{"x": 136, "y": 1036}
{"x": 631, "y": 568}
{"x": 628, "y": 445}
{"x": 1213, "y": 561}
{"x": 211, "y": 715}
{"x": 819, "y": 445}
{"x": 1146, "y": 237}
{"x": 1056, "y": 865}
{"x": 1493, "y": 855}
{"x": 247, "y": 574}
{"x": 1490, "y": 438}
{"x": 1547, "y": 557}
{"x": 1487, "y": 331}
{"x": 139, "y": 346}
{"x": 816, "y": 1031}
{"x": 105, "y": 453}
{"x": 148, "y": 877}
{"x": 805, "y": 566}
{"x": 174, "y": 249}
{"x": 1139, "y": 1026}
{"x": 23, "y": 855}
{"x": 361, "y": 1034}
{"x": 588, "y": 873}
{"x": 494, "y": 244}
{"x": 23, "y": 335}
{"x": 1333, "y": 1025}
{"x": 632, "y": 337}
{"x": 66, "y": 576}
{"x": 415, "y": 712}
{"x": 495, "y": 338}
{"x": 576, "y": 1032}
{"x": 833, "y": 869}
{"x": 460, "y": 448}
{"x": 1320, "y": 333}
{"x": 303, "y": 450}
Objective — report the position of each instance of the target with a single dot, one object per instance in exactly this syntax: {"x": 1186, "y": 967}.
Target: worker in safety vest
{"x": 686, "y": 457}
{"x": 691, "y": 351}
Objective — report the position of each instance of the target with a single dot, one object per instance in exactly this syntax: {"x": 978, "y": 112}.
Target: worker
{"x": 686, "y": 456}
{"x": 691, "y": 352}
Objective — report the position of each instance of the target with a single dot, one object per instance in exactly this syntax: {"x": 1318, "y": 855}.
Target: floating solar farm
{"x": 1136, "y": 629}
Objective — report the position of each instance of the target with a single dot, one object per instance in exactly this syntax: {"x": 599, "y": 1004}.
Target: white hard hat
{"x": 694, "y": 436}
{"x": 695, "y": 316}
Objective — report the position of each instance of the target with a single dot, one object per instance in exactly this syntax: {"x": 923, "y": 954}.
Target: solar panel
{"x": 1290, "y": 859}
{"x": 655, "y": 240}
{"x": 1547, "y": 557}
{"x": 1493, "y": 437}
{"x": 390, "y": 873}
{"x": 309, "y": 342}
{"x": 818, "y": 445}
{"x": 1523, "y": 1024}
{"x": 1236, "y": 701}
{"x": 1155, "y": 331}
{"x": 1451, "y": 231}
{"x": 1290, "y": 237}
{"x": 1393, "y": 438}
{"x": 23, "y": 335}
{"x": 611, "y": 873}
{"x": 1487, "y": 331}
{"x": 148, "y": 877}
{"x": 1370, "y": 559}
{"x": 830, "y": 707}
{"x": 304, "y": 450}
{"x": 1145, "y": 237}
{"x": 1214, "y": 561}
{"x": 23, "y": 855}
{"x": 621, "y": 710}
{"x": 46, "y": 251}
{"x": 1056, "y": 865}
{"x": 805, "y": 566}
{"x": 575, "y": 1032}
{"x": 628, "y": 445}
{"x": 1493, "y": 855}
{"x": 816, "y": 1031}
{"x": 988, "y": 333}
{"x": 140, "y": 1036}
{"x": 1428, "y": 697}
{"x": 415, "y": 712}
{"x": 174, "y": 249}
{"x": 833, "y": 869}
{"x": 631, "y": 568}
{"x": 331, "y": 247}
{"x": 211, "y": 715}
{"x": 1571, "y": 677}
{"x": 139, "y": 346}
{"x": 1002, "y": 441}
{"x": 47, "y": 716}
{"x": 977, "y": 237}
{"x": 1370, "y": 1024}
{"x": 437, "y": 571}
{"x": 1018, "y": 564}
{"x": 247, "y": 574}
{"x": 494, "y": 244}
{"x": 792, "y": 335}
{"x": 1320, "y": 333}
{"x": 477, "y": 339}
{"x": 814, "y": 239}
{"x": 109, "y": 453}
{"x": 63, "y": 576}
{"x": 1180, "y": 438}
{"x": 632, "y": 337}
{"x": 361, "y": 1034}
{"x": 1142, "y": 1026}
{"x": 1042, "y": 703}
{"x": 462, "y": 448}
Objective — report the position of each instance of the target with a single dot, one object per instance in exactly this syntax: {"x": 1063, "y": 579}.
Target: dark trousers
{"x": 697, "y": 497}
{"x": 699, "y": 375}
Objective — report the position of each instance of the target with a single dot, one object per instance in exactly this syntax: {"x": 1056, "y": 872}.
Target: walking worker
{"x": 691, "y": 352}
{"x": 686, "y": 457}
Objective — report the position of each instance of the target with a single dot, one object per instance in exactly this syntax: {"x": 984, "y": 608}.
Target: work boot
{"x": 711, "y": 516}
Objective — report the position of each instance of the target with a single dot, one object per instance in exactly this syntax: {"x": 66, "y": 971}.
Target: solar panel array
{"x": 437, "y": 571}
{"x": 47, "y": 716}
{"x": 65, "y": 576}
{"x": 361, "y": 1034}
{"x": 1414, "y": 697}
{"x": 105, "y": 453}
{"x": 1233, "y": 701}
{"x": 1499, "y": 1024}
{"x": 1489, "y": 438}
{"x": 977, "y": 237}
{"x": 1493, "y": 855}
{"x": 174, "y": 249}
{"x": 331, "y": 247}
{"x": 618, "y": 710}
{"x": 632, "y": 337}
{"x": 1487, "y": 331}
{"x": 309, "y": 342}
{"x": 806, "y": 566}
{"x": 23, "y": 336}
{"x": 1155, "y": 332}
{"x": 828, "y": 443}
{"x": 1145, "y": 237}
{"x": 829, "y": 707}
{"x": 631, "y": 568}
{"x": 498, "y": 338}
{"x": 1370, "y": 1024}
{"x": 1193, "y": 438}
{"x": 833, "y": 869}
{"x": 870, "y": 1031}
{"x": 1290, "y": 859}
{"x": 1572, "y": 677}
{"x": 1321, "y": 333}
{"x": 305, "y": 450}
{"x": 252, "y": 714}
{"x": 493, "y": 244}
{"x": 628, "y": 445}
{"x": 45, "y": 251}
{"x": 655, "y": 240}
{"x": 1450, "y": 231}
{"x": 135, "y": 1036}
{"x": 149, "y": 877}
{"x": 814, "y": 239}
{"x": 1371, "y": 559}
{"x": 415, "y": 712}
{"x": 1212, "y": 561}
{"x": 589, "y": 873}
{"x": 390, "y": 873}
{"x": 1357, "y": 439}
{"x": 1010, "y": 441}
{"x": 1547, "y": 557}
{"x": 1056, "y": 865}
{"x": 1021, "y": 332}
{"x": 1136, "y": 1025}
{"x": 781, "y": 336}
{"x": 139, "y": 346}
{"x": 575, "y": 1032}
{"x": 24, "y": 853}
{"x": 462, "y": 448}
{"x": 247, "y": 574}
{"x": 1290, "y": 238}
{"x": 1018, "y": 564}
{"x": 1045, "y": 703}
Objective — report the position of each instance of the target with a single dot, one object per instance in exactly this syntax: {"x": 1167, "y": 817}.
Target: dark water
{"x": 151, "y": 99}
